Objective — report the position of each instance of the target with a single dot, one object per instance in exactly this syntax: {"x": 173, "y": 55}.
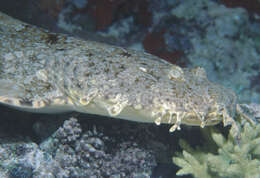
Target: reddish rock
{"x": 155, "y": 44}
{"x": 105, "y": 12}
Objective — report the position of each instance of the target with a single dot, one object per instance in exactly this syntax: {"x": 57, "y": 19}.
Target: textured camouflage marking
{"x": 46, "y": 72}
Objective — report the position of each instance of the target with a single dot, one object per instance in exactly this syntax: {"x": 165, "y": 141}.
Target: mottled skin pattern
{"x": 46, "y": 72}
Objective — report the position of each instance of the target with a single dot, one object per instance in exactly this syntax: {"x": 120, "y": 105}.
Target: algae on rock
{"x": 229, "y": 159}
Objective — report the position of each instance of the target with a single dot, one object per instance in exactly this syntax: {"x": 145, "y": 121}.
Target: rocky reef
{"x": 72, "y": 152}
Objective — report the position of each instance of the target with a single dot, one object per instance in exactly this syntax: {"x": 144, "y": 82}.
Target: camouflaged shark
{"x": 42, "y": 71}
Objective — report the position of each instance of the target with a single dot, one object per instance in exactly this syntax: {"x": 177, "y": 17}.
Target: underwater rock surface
{"x": 71, "y": 152}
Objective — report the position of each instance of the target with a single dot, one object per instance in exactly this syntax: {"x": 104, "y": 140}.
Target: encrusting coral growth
{"x": 230, "y": 160}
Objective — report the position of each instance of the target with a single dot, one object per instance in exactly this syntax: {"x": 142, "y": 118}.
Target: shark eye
{"x": 176, "y": 73}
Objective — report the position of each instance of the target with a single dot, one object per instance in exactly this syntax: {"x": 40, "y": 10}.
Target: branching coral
{"x": 231, "y": 160}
